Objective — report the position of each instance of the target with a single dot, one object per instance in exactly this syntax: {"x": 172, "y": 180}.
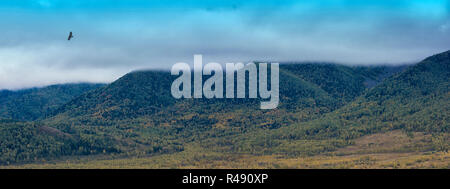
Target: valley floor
{"x": 394, "y": 149}
{"x": 361, "y": 161}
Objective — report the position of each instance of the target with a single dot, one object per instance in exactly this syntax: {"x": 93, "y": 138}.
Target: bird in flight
{"x": 70, "y": 36}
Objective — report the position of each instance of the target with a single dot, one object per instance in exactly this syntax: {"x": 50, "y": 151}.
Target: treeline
{"x": 30, "y": 142}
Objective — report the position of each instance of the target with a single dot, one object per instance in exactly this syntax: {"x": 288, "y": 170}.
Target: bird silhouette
{"x": 70, "y": 36}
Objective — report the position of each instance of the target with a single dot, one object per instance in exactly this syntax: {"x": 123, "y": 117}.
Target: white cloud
{"x": 34, "y": 50}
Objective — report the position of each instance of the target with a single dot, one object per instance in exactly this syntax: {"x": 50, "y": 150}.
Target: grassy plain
{"x": 395, "y": 149}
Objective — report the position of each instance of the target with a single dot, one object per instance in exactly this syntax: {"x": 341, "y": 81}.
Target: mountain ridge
{"x": 322, "y": 108}
{"x": 35, "y": 103}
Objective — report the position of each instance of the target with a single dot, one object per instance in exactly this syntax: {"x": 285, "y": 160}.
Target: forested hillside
{"x": 35, "y": 103}
{"x": 416, "y": 100}
{"x": 26, "y": 142}
{"x": 323, "y": 108}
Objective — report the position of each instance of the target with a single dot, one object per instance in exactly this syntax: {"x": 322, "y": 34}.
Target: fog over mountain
{"x": 112, "y": 38}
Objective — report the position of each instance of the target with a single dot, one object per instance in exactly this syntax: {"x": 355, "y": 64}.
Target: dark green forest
{"x": 36, "y": 103}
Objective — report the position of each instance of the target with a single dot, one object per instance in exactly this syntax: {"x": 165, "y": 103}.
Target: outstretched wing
{"x": 70, "y": 36}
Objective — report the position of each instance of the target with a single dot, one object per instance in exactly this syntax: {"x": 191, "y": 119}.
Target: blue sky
{"x": 113, "y": 37}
